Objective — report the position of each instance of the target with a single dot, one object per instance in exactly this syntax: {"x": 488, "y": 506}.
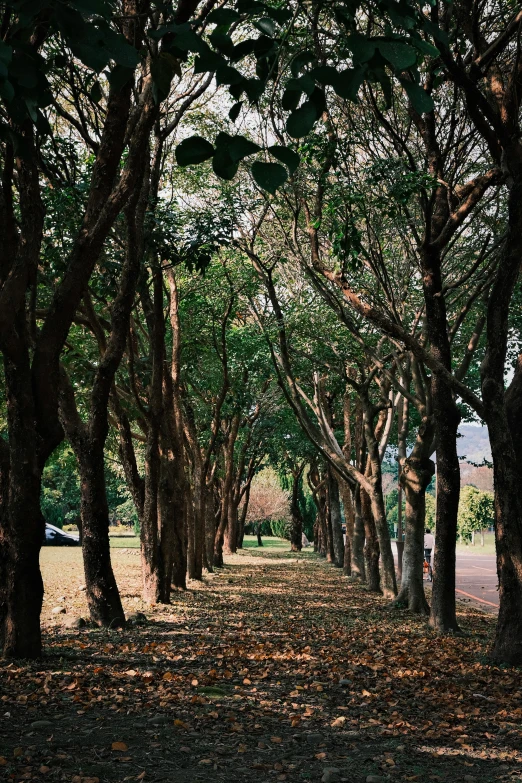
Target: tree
{"x": 476, "y": 511}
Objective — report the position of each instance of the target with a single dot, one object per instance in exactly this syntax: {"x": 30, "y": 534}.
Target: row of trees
{"x": 198, "y": 316}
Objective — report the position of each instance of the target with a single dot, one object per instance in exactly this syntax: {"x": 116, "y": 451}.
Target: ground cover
{"x": 276, "y": 668}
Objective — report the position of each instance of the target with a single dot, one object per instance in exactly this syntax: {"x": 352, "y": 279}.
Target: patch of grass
{"x": 127, "y": 542}
{"x": 487, "y": 549}
{"x": 269, "y": 542}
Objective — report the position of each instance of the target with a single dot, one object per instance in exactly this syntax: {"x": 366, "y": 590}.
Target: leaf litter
{"x": 275, "y": 668}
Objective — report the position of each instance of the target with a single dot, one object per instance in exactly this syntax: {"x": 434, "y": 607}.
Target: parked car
{"x": 56, "y": 537}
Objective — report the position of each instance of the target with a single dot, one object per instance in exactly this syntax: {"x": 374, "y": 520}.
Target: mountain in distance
{"x": 473, "y": 444}
{"x": 473, "y": 448}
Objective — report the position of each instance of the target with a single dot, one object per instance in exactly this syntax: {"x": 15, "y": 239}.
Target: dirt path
{"x": 276, "y": 669}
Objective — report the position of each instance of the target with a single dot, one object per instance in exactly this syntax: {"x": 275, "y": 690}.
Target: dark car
{"x": 56, "y": 537}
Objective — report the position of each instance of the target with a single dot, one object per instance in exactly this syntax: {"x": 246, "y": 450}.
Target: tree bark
{"x": 371, "y": 546}
{"x": 358, "y": 556}
{"x": 335, "y": 515}
{"x": 415, "y": 477}
{"x": 349, "y": 517}
{"x": 296, "y": 524}
{"x": 22, "y": 525}
{"x": 103, "y": 597}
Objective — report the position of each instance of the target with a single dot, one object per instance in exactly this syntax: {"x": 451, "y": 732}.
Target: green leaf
{"x": 362, "y": 48}
{"x": 269, "y": 176}
{"x": 223, "y": 16}
{"x": 301, "y": 121}
{"x": 349, "y": 82}
{"x": 318, "y": 99}
{"x": 325, "y": 74}
{"x": 208, "y": 61}
{"x": 399, "y": 54}
{"x": 281, "y": 15}
{"x": 6, "y": 53}
{"x": 223, "y": 164}
{"x": 299, "y": 62}
{"x": 96, "y": 92}
{"x": 226, "y": 74}
{"x": 120, "y": 76}
{"x": 119, "y": 50}
{"x": 304, "y": 83}
{"x": 287, "y": 156}
{"x": 234, "y": 111}
{"x": 425, "y": 47}
{"x": 420, "y": 100}
{"x": 193, "y": 150}
{"x": 238, "y": 147}
{"x": 254, "y": 89}
{"x": 290, "y": 99}
{"x": 243, "y": 49}
{"x": 266, "y": 26}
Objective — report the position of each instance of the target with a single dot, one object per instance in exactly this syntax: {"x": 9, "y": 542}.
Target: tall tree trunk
{"x": 330, "y": 553}
{"x": 335, "y": 516}
{"x": 359, "y": 532}
{"x": 151, "y": 555}
{"x": 190, "y": 530}
{"x": 349, "y": 517}
{"x": 243, "y": 516}
{"x": 296, "y": 520}
{"x": 210, "y": 528}
{"x": 446, "y": 417}
{"x": 172, "y": 526}
{"x": 498, "y": 409}
{"x": 21, "y": 526}
{"x": 415, "y": 477}
{"x": 371, "y": 546}
{"x": 103, "y": 597}
{"x": 507, "y": 647}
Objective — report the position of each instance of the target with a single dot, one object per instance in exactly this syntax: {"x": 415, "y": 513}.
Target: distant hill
{"x": 473, "y": 445}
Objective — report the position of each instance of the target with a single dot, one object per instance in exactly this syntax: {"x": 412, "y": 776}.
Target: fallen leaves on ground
{"x": 276, "y": 668}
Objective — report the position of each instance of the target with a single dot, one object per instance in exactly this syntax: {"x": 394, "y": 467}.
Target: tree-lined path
{"x": 273, "y": 668}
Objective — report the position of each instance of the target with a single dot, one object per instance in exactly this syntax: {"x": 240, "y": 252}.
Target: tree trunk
{"x": 335, "y": 516}
{"x": 243, "y": 516}
{"x": 507, "y": 647}
{"x": 330, "y": 553}
{"x": 102, "y": 593}
{"x": 21, "y": 524}
{"x": 231, "y": 530}
{"x": 172, "y": 526}
{"x": 349, "y": 518}
{"x": 210, "y": 528}
{"x": 358, "y": 556}
{"x": 371, "y": 546}
{"x": 296, "y": 524}
{"x": 415, "y": 477}
{"x": 446, "y": 417}
{"x": 258, "y": 533}
{"x": 189, "y": 527}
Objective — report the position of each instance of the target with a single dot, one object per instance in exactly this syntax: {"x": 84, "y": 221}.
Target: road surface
{"x": 477, "y": 580}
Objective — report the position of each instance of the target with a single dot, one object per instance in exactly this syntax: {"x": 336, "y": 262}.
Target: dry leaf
{"x": 119, "y": 746}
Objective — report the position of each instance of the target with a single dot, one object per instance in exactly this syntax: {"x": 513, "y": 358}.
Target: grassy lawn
{"x": 119, "y": 541}
{"x": 487, "y": 549}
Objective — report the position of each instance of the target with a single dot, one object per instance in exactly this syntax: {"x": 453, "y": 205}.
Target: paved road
{"x": 477, "y": 580}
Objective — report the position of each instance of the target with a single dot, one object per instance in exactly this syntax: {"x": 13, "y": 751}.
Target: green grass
{"x": 269, "y": 542}
{"x": 250, "y": 542}
{"x": 487, "y": 549}
{"x": 125, "y": 542}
